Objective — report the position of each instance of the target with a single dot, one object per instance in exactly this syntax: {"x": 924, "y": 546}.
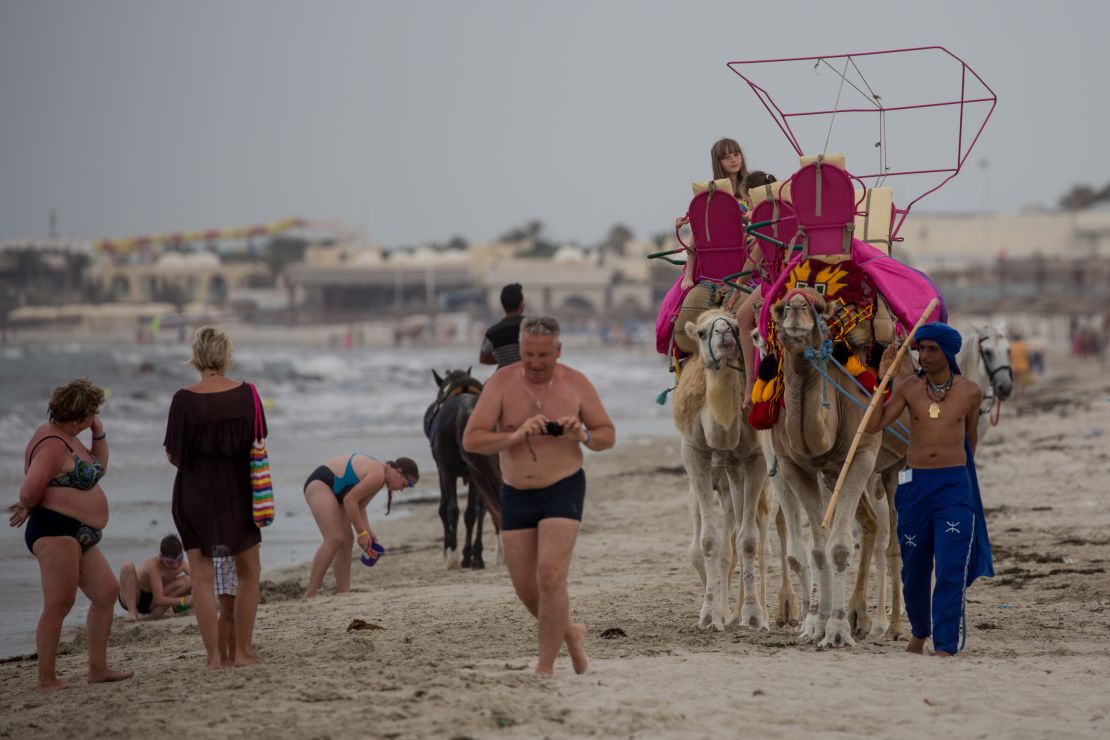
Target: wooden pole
{"x": 831, "y": 509}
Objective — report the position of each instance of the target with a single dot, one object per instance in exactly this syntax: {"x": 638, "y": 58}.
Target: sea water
{"x": 319, "y": 404}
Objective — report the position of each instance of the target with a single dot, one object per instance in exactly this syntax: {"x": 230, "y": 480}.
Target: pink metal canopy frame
{"x": 783, "y": 118}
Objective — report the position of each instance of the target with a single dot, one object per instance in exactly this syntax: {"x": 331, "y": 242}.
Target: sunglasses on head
{"x": 174, "y": 560}
{"x": 409, "y": 482}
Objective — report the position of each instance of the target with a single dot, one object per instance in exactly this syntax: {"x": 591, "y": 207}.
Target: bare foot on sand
{"x": 916, "y": 645}
{"x": 944, "y": 654}
{"x": 109, "y": 676}
{"x": 215, "y": 664}
{"x": 56, "y": 683}
{"x": 245, "y": 659}
{"x": 576, "y": 646}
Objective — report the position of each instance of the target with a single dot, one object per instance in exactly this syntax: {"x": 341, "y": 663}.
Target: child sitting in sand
{"x": 158, "y": 583}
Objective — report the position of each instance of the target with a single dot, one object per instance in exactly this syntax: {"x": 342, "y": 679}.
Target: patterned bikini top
{"x": 84, "y": 475}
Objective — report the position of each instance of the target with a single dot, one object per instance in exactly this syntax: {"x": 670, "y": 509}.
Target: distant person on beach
{"x": 209, "y": 435}
{"x": 537, "y": 419}
{"x": 940, "y": 512}
{"x": 1020, "y": 364}
{"x": 501, "y": 345}
{"x": 337, "y": 493}
{"x": 65, "y": 509}
{"x": 158, "y": 583}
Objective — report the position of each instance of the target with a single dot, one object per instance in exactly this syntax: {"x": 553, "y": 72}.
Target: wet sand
{"x": 454, "y": 654}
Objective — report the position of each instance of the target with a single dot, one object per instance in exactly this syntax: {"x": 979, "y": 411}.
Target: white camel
{"x": 707, "y": 406}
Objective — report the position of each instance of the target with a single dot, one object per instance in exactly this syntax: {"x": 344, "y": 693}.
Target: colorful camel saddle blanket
{"x": 855, "y": 281}
{"x": 870, "y": 287}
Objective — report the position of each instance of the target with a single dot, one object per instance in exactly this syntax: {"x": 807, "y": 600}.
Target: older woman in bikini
{"x": 65, "y": 509}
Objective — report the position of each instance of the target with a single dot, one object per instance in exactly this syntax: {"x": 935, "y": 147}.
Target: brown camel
{"x": 811, "y": 442}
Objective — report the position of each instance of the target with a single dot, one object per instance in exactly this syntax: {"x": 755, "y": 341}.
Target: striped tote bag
{"x": 262, "y": 489}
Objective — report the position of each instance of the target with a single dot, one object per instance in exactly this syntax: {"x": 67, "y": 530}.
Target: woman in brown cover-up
{"x": 208, "y": 440}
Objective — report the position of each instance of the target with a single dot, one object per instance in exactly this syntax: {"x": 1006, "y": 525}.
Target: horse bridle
{"x": 992, "y": 397}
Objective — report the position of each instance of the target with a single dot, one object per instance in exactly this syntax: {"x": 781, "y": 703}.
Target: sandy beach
{"x": 450, "y": 653}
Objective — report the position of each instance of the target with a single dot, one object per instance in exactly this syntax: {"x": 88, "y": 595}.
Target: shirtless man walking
{"x": 939, "y": 510}
{"x": 537, "y": 415}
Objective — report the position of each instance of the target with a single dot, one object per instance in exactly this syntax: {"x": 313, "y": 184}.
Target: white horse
{"x": 985, "y": 359}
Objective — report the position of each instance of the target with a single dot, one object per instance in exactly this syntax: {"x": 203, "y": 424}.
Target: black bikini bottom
{"x": 48, "y": 523}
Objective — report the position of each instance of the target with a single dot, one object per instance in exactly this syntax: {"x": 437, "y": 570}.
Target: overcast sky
{"x": 423, "y": 120}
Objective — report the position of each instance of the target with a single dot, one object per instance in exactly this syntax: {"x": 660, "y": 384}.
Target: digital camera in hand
{"x": 553, "y": 428}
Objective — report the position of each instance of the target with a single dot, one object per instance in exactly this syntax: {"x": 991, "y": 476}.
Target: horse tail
{"x": 484, "y": 471}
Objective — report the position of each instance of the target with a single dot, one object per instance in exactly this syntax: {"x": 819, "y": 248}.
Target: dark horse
{"x": 444, "y": 424}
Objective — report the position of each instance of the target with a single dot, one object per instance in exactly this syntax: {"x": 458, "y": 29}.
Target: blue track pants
{"x": 935, "y": 523}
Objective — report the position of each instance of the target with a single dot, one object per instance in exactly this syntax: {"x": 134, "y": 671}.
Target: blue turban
{"x": 944, "y": 335}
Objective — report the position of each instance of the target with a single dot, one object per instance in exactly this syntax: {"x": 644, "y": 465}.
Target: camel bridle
{"x": 819, "y": 322}
{"x": 714, "y": 362}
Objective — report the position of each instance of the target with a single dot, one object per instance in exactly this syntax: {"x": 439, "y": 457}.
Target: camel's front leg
{"x": 881, "y": 623}
{"x": 746, "y": 495}
{"x": 858, "y": 618}
{"x": 722, "y": 490}
{"x": 838, "y": 631}
{"x": 694, "y": 552}
{"x": 897, "y": 629}
{"x": 791, "y": 554}
{"x": 711, "y": 540}
{"x": 816, "y": 593}
{"x": 763, "y": 522}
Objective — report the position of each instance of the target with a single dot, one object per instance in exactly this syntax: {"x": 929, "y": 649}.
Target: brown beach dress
{"x": 208, "y": 438}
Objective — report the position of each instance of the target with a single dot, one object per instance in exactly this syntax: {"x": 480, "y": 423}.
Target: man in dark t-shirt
{"x": 501, "y": 345}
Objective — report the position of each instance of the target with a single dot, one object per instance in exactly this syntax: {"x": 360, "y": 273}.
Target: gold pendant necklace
{"x": 942, "y": 389}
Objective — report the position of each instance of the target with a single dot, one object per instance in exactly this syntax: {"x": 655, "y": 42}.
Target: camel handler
{"x": 940, "y": 512}
{"x": 537, "y": 416}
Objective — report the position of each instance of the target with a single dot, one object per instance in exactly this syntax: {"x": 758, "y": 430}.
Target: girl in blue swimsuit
{"x": 337, "y": 493}
{"x": 64, "y": 510}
